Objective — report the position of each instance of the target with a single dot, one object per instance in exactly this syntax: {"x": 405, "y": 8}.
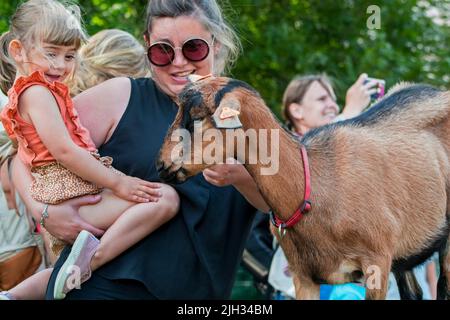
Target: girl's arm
{"x": 63, "y": 220}
{"x": 39, "y": 105}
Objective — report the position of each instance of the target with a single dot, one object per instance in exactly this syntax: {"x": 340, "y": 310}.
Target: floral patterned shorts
{"x": 53, "y": 184}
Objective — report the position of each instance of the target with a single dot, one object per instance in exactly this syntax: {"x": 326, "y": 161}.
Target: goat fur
{"x": 380, "y": 184}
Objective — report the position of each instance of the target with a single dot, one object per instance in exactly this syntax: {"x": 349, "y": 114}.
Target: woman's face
{"x": 318, "y": 107}
{"x": 175, "y": 31}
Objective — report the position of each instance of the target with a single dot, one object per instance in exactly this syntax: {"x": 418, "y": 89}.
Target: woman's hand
{"x": 137, "y": 190}
{"x": 234, "y": 173}
{"x": 358, "y": 96}
{"x": 229, "y": 173}
{"x": 65, "y": 223}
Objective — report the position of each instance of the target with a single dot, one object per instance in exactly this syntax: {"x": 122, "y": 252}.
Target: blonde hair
{"x": 297, "y": 88}
{"x": 37, "y": 21}
{"x": 108, "y": 54}
{"x": 209, "y": 14}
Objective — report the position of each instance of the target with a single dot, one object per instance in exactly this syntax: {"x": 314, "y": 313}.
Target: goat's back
{"x": 407, "y": 107}
{"x": 389, "y": 173}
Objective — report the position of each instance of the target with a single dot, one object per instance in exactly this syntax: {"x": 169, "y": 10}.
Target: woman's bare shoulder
{"x": 111, "y": 94}
{"x": 100, "y": 108}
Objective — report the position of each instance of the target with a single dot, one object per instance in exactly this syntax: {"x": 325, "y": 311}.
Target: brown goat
{"x": 380, "y": 182}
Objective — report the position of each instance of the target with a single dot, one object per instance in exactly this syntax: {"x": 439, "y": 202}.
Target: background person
{"x": 309, "y": 102}
{"x": 108, "y": 54}
{"x": 21, "y": 248}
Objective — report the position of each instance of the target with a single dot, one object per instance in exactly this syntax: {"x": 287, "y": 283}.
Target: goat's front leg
{"x": 305, "y": 288}
{"x": 376, "y": 278}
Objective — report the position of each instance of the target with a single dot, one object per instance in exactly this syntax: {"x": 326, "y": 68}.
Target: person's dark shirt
{"x": 196, "y": 254}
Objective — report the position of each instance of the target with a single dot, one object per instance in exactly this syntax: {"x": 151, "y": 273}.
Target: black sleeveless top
{"x": 196, "y": 254}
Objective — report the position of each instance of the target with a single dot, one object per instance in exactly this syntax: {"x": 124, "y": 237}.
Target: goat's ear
{"x": 227, "y": 114}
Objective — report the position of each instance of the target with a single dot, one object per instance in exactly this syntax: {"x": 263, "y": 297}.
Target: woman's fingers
{"x": 90, "y": 228}
{"x": 362, "y": 77}
{"x": 372, "y": 91}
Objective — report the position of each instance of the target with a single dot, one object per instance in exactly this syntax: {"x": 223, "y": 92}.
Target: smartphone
{"x": 380, "y": 88}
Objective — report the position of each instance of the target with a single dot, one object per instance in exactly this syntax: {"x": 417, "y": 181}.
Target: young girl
{"x": 41, "y": 46}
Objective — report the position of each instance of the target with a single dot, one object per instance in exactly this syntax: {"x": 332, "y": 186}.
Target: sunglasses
{"x": 162, "y": 54}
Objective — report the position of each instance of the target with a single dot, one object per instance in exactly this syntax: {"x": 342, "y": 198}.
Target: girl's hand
{"x": 137, "y": 190}
{"x": 65, "y": 223}
{"x": 221, "y": 175}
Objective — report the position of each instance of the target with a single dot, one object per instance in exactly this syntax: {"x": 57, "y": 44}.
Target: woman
{"x": 309, "y": 101}
{"x": 196, "y": 254}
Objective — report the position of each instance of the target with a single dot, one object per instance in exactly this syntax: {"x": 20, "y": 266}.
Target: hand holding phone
{"x": 376, "y": 88}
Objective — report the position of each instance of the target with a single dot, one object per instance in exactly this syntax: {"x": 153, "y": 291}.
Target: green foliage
{"x": 288, "y": 37}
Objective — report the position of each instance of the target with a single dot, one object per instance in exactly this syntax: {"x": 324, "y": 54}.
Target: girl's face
{"x": 56, "y": 62}
{"x": 176, "y": 31}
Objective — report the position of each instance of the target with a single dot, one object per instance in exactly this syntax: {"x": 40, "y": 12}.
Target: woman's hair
{"x": 297, "y": 89}
{"x": 209, "y": 14}
{"x": 35, "y": 22}
{"x": 109, "y": 54}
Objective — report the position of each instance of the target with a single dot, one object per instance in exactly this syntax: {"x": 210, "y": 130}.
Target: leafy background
{"x": 284, "y": 38}
{"x": 288, "y": 37}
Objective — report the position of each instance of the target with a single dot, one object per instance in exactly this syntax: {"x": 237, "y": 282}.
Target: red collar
{"x": 305, "y": 206}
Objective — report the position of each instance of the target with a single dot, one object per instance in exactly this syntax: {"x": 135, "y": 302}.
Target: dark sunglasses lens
{"x": 160, "y": 54}
{"x": 196, "y": 49}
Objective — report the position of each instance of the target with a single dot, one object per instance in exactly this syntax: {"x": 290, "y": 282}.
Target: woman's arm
{"x": 100, "y": 108}
{"x": 63, "y": 221}
{"x": 233, "y": 173}
{"x": 358, "y": 97}
{"x": 39, "y": 105}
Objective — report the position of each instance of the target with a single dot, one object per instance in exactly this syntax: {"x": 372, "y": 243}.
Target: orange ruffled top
{"x": 31, "y": 150}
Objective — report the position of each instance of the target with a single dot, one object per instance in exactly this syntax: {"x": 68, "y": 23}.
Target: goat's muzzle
{"x": 170, "y": 173}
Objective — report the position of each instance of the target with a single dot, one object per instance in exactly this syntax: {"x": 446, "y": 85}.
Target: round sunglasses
{"x": 162, "y": 54}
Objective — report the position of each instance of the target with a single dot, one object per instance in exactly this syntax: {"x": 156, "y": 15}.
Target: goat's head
{"x": 208, "y": 109}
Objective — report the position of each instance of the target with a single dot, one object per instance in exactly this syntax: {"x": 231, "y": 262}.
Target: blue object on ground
{"x": 347, "y": 291}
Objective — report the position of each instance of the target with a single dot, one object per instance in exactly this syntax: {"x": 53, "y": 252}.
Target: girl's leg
{"x": 32, "y": 288}
{"x": 127, "y": 222}
{"x": 135, "y": 224}
{"x": 125, "y": 225}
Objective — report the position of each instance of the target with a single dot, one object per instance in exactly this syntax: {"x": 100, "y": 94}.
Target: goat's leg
{"x": 376, "y": 277}
{"x": 306, "y": 289}
{"x": 443, "y": 288}
{"x": 408, "y": 287}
